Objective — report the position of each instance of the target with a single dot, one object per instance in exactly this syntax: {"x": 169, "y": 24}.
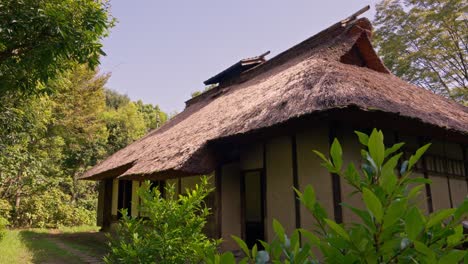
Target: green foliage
{"x": 393, "y": 229}
{"x": 424, "y": 42}
{"x": 124, "y": 125}
{"x": 128, "y": 121}
{"x": 5, "y": 209}
{"x": 53, "y": 209}
{"x": 48, "y": 141}
{"x": 171, "y": 230}
{"x": 41, "y": 38}
{"x": 153, "y": 116}
{"x": 115, "y": 100}
{"x": 3, "y": 225}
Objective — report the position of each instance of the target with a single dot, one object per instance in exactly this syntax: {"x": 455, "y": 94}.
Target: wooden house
{"x": 255, "y": 132}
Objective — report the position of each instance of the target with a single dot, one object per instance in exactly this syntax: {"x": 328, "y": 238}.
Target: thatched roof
{"x": 337, "y": 68}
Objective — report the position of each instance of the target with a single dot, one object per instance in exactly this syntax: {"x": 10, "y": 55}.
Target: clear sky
{"x": 162, "y": 50}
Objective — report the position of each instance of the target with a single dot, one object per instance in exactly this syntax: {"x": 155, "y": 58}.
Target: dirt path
{"x": 85, "y": 258}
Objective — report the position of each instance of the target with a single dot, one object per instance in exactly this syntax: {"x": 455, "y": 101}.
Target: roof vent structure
{"x": 237, "y": 69}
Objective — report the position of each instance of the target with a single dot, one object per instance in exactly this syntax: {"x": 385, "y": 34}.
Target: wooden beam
{"x": 295, "y": 181}
{"x": 219, "y": 203}
{"x": 430, "y": 205}
{"x": 336, "y": 181}
{"x": 465, "y": 162}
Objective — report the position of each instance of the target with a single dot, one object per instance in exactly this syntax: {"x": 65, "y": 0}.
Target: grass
{"x": 13, "y": 250}
{"x": 52, "y": 245}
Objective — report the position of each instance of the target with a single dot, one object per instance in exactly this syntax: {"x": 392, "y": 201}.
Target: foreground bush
{"x": 171, "y": 230}
{"x": 393, "y": 229}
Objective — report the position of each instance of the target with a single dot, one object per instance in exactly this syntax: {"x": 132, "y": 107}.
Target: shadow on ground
{"x": 53, "y": 247}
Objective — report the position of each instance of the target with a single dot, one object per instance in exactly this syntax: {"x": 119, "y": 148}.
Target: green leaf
{"x": 414, "y": 158}
{"x": 321, "y": 155}
{"x": 352, "y": 175}
{"x": 373, "y": 204}
{"x": 388, "y": 179}
{"x": 364, "y": 215}
{"x": 303, "y": 254}
{"x": 337, "y": 228}
{"x": 394, "y": 212}
{"x": 423, "y": 249}
{"x": 454, "y": 256}
{"x": 313, "y": 239}
{"x": 393, "y": 149}
{"x": 227, "y": 258}
{"x": 254, "y": 251}
{"x": 337, "y": 154}
{"x": 279, "y": 230}
{"x": 455, "y": 239}
{"x": 437, "y": 217}
{"x": 462, "y": 210}
{"x": 413, "y": 193}
{"x": 326, "y": 162}
{"x": 376, "y": 147}
{"x": 363, "y": 138}
{"x": 308, "y": 198}
{"x": 242, "y": 245}
{"x": 414, "y": 223}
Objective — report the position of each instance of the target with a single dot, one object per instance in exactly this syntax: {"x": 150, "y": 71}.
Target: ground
{"x": 53, "y": 246}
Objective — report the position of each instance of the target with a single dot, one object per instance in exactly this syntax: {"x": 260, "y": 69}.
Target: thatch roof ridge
{"x": 300, "y": 81}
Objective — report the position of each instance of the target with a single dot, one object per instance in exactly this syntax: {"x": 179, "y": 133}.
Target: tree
{"x": 153, "y": 116}
{"x": 78, "y": 110}
{"x": 425, "y": 43}
{"x": 115, "y": 100}
{"x": 125, "y": 125}
{"x": 41, "y": 38}
{"x": 46, "y": 142}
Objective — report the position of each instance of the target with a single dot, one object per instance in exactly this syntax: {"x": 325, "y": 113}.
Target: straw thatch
{"x": 336, "y": 68}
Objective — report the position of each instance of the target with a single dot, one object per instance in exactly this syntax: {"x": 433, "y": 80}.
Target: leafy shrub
{"x": 5, "y": 209}
{"x": 393, "y": 228}
{"x": 170, "y": 232}
{"x": 52, "y": 209}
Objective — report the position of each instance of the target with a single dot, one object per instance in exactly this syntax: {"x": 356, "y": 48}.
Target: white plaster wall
{"x": 115, "y": 196}
{"x": 459, "y": 190}
{"x": 310, "y": 172}
{"x": 279, "y": 185}
{"x": 440, "y": 192}
{"x": 230, "y": 205}
{"x": 351, "y": 153}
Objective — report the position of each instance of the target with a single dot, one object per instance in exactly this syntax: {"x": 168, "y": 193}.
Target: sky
{"x": 162, "y": 51}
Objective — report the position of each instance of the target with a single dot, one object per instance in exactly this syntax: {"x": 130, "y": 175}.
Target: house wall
{"x": 310, "y": 172}
{"x": 115, "y": 196}
{"x": 231, "y": 223}
{"x": 411, "y": 145}
{"x": 135, "y": 198}
{"x": 280, "y": 195}
{"x": 447, "y": 190}
{"x": 351, "y": 154}
{"x": 279, "y": 168}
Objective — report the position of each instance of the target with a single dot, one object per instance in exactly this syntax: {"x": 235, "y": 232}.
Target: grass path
{"x": 74, "y": 246}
